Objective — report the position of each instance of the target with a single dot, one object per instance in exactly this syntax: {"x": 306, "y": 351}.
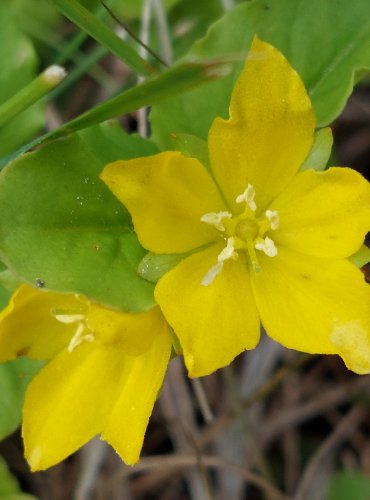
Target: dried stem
{"x": 182, "y": 461}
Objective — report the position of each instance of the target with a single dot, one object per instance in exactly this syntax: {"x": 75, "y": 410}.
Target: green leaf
{"x": 191, "y": 146}
{"x": 18, "y": 67}
{"x": 326, "y": 41}
{"x": 61, "y": 224}
{"x": 320, "y": 152}
{"x": 9, "y": 487}
{"x": 14, "y": 378}
{"x": 133, "y": 8}
{"x": 4, "y": 292}
{"x": 36, "y": 19}
{"x": 171, "y": 82}
{"x": 9, "y": 281}
{"x": 347, "y": 485}
{"x": 8, "y": 484}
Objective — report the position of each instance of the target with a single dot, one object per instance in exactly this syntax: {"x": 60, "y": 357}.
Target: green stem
{"x": 171, "y": 82}
{"x": 31, "y": 93}
{"x": 73, "y": 45}
{"x": 88, "y": 22}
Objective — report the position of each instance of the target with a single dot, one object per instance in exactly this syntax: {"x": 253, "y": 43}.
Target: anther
{"x": 69, "y": 318}
{"x": 248, "y": 197}
{"x": 228, "y": 252}
{"x": 215, "y": 219}
{"x": 273, "y": 217}
{"x": 266, "y": 245}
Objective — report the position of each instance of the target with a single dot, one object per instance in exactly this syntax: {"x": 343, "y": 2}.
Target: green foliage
{"x": 19, "y": 63}
{"x": 153, "y": 266}
{"x": 129, "y": 9}
{"x": 320, "y": 152}
{"x": 325, "y": 41}
{"x": 191, "y": 146}
{"x": 14, "y": 379}
{"x": 171, "y": 82}
{"x": 37, "y": 19}
{"x": 189, "y": 23}
{"x": 61, "y": 224}
{"x": 345, "y": 485}
{"x": 4, "y": 292}
{"x": 97, "y": 29}
{"x": 133, "y": 8}
{"x": 9, "y": 488}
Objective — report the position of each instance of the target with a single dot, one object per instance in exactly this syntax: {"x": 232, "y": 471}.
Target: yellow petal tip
{"x": 352, "y": 340}
{"x": 189, "y": 362}
{"x": 34, "y": 458}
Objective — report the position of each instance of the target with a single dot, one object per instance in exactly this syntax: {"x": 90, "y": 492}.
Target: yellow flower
{"x": 105, "y": 370}
{"x": 267, "y": 243}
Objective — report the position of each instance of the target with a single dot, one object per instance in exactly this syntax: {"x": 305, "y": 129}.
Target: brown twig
{"x": 327, "y": 399}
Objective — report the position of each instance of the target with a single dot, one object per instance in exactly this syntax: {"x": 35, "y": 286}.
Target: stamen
{"x": 248, "y": 197}
{"x": 266, "y": 245}
{"x": 215, "y": 219}
{"x": 79, "y": 337}
{"x": 273, "y": 217}
{"x": 212, "y": 273}
{"x": 226, "y": 253}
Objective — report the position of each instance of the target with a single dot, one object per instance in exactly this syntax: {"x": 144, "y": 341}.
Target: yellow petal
{"x": 326, "y": 214}
{"x": 27, "y": 326}
{"x": 270, "y": 130}
{"x": 130, "y": 414}
{"x": 69, "y": 402}
{"x": 99, "y": 387}
{"x": 166, "y": 195}
{"x": 315, "y": 305}
{"x": 214, "y": 323}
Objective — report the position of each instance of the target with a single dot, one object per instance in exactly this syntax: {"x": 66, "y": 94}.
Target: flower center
{"x": 244, "y": 232}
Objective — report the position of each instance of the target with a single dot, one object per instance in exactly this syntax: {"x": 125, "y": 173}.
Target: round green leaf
{"x": 62, "y": 227}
